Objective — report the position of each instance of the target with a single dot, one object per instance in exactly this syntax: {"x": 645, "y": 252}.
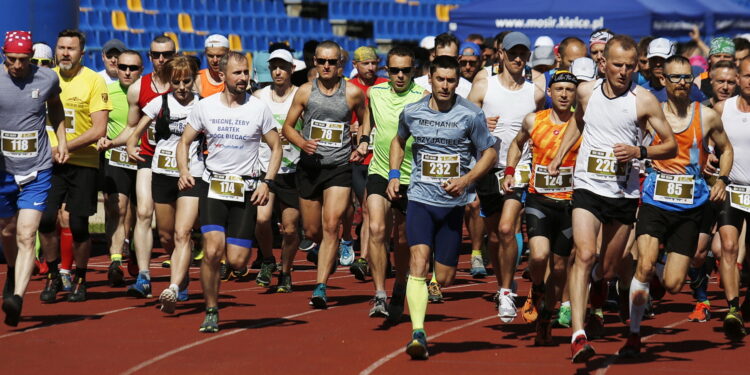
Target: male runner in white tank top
{"x": 735, "y": 114}
{"x": 506, "y": 99}
{"x": 606, "y": 184}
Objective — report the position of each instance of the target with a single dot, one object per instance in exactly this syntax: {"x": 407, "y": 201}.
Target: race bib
{"x": 522, "y": 175}
{"x": 371, "y": 145}
{"x": 150, "y": 133}
{"x": 19, "y": 144}
{"x": 327, "y": 133}
{"x": 227, "y": 187}
{"x": 440, "y": 168}
{"x": 711, "y": 178}
{"x": 544, "y": 183}
{"x": 166, "y": 161}
{"x": 674, "y": 188}
{"x": 118, "y": 157}
{"x": 739, "y": 197}
{"x": 603, "y": 165}
{"x": 70, "y": 120}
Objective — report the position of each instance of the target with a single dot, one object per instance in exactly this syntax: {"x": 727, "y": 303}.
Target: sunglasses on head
{"x": 125, "y": 67}
{"x": 396, "y": 70}
{"x": 43, "y": 62}
{"x": 676, "y": 78}
{"x": 321, "y": 62}
{"x": 158, "y": 54}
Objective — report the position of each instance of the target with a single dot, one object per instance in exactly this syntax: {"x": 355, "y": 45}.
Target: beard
{"x": 66, "y": 66}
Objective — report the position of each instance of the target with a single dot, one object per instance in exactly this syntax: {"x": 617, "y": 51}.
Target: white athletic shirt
{"x": 512, "y": 106}
{"x": 167, "y": 148}
{"x": 233, "y": 135}
{"x": 463, "y": 89}
{"x": 608, "y": 122}
{"x": 290, "y": 158}
{"x": 736, "y": 125}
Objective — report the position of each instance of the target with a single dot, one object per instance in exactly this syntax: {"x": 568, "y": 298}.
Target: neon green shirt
{"x": 118, "y": 116}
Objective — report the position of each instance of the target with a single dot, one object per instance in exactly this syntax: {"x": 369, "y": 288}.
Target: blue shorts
{"x": 440, "y": 228}
{"x": 32, "y": 196}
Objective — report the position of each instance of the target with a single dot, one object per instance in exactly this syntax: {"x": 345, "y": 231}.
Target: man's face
{"x": 741, "y": 54}
{"x": 515, "y": 59}
{"x": 744, "y": 79}
{"x": 723, "y": 83}
{"x": 236, "y": 76}
{"x": 597, "y": 52}
{"x": 572, "y": 51}
{"x": 447, "y": 50}
{"x": 129, "y": 69}
{"x": 677, "y": 79}
{"x": 110, "y": 61}
{"x": 656, "y": 65}
{"x": 716, "y": 57}
{"x": 488, "y": 54}
{"x": 469, "y": 64}
{"x": 327, "y": 61}
{"x": 643, "y": 66}
{"x": 213, "y": 55}
{"x": 161, "y": 53}
{"x": 18, "y": 64}
{"x": 366, "y": 69}
{"x": 281, "y": 71}
{"x": 68, "y": 52}
{"x": 400, "y": 72}
{"x": 444, "y": 82}
{"x": 562, "y": 95}
{"x": 619, "y": 66}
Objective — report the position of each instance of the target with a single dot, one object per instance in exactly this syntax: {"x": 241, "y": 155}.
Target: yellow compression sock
{"x": 416, "y": 296}
{"x": 116, "y": 257}
{"x": 476, "y": 253}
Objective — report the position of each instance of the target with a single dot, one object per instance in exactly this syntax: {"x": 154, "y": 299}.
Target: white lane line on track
{"x": 63, "y": 322}
{"x": 172, "y": 352}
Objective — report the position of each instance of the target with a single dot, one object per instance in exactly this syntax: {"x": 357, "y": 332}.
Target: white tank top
{"x": 279, "y": 110}
{"x": 736, "y": 125}
{"x": 608, "y": 122}
{"x": 512, "y": 107}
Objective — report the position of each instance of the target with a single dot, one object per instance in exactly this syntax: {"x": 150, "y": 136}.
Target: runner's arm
{"x": 365, "y": 129}
{"x": 667, "y": 149}
{"x": 186, "y": 180}
{"x": 56, "y": 113}
{"x": 572, "y": 132}
{"x": 360, "y": 109}
{"x": 273, "y": 141}
{"x": 98, "y": 129}
{"x": 295, "y": 111}
{"x": 134, "y": 115}
{"x": 715, "y": 130}
{"x": 394, "y": 162}
{"x": 135, "y": 136}
{"x": 516, "y": 147}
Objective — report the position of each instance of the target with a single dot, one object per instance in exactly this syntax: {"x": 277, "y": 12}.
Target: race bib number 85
{"x": 674, "y": 188}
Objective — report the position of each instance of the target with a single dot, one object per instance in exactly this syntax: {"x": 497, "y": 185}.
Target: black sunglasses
{"x": 43, "y": 62}
{"x": 125, "y": 67}
{"x": 112, "y": 55}
{"x": 395, "y": 70}
{"x": 158, "y": 54}
{"x": 322, "y": 62}
{"x": 676, "y": 78}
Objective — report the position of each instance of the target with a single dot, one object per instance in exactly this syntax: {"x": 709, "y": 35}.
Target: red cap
{"x": 18, "y": 42}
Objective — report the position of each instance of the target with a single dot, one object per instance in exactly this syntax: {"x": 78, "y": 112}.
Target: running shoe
{"x": 595, "y": 324}
{"x": 359, "y": 269}
{"x": 319, "y": 299}
{"x": 581, "y": 350}
{"x": 225, "y": 272}
{"x": 183, "y": 295}
{"x": 543, "y": 332}
{"x": 306, "y": 245}
{"x": 211, "y": 321}
{"x": 530, "y": 309}
{"x": 12, "y": 308}
{"x": 563, "y": 317}
{"x": 168, "y": 300}
{"x": 166, "y": 264}
{"x": 132, "y": 265}
{"x": 141, "y": 288}
{"x": 197, "y": 254}
{"x": 240, "y": 276}
{"x": 67, "y": 282}
{"x": 285, "y": 283}
{"x": 477, "y": 267}
{"x": 346, "y": 253}
{"x": 506, "y": 309}
{"x": 435, "y": 294}
{"x": 266, "y": 273}
{"x": 312, "y": 255}
{"x": 379, "y": 307}
{"x": 396, "y": 307}
{"x": 78, "y": 294}
{"x": 53, "y": 285}
{"x": 632, "y": 347}
{"x": 734, "y": 326}
{"x": 701, "y": 313}
{"x": 417, "y": 346}
{"x": 115, "y": 274}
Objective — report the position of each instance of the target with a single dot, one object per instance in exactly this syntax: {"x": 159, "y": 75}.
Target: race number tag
{"x": 118, "y": 157}
{"x": 544, "y": 183}
{"x": 674, "y": 188}
{"x": 440, "y": 168}
{"x": 70, "y": 120}
{"x": 327, "y": 133}
{"x": 739, "y": 197}
{"x": 19, "y": 144}
{"x": 711, "y": 178}
{"x": 150, "y": 133}
{"x": 371, "y": 145}
{"x": 522, "y": 175}
{"x": 166, "y": 162}
{"x": 603, "y": 165}
{"x": 227, "y": 187}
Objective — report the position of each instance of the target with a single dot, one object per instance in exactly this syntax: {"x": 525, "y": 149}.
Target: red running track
{"x": 268, "y": 333}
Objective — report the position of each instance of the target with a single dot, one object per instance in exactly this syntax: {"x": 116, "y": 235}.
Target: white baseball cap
{"x": 281, "y": 54}
{"x": 216, "y": 40}
{"x": 543, "y": 41}
{"x": 661, "y": 47}
{"x": 427, "y": 42}
{"x": 583, "y": 68}
{"x": 42, "y": 51}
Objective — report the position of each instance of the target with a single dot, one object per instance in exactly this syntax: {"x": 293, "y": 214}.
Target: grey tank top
{"x": 327, "y": 119}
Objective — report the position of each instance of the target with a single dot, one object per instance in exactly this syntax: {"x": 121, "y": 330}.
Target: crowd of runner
{"x": 618, "y": 166}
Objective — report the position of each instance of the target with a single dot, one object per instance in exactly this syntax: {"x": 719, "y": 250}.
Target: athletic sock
{"x": 81, "y": 273}
{"x": 174, "y": 287}
{"x": 565, "y": 303}
{"x": 735, "y": 302}
{"x": 416, "y": 296}
{"x": 476, "y": 253}
{"x": 519, "y": 242}
{"x": 576, "y": 334}
{"x": 433, "y": 280}
{"x": 145, "y": 274}
{"x": 636, "y": 310}
{"x": 116, "y": 258}
{"x": 381, "y": 294}
{"x": 699, "y": 283}
{"x": 53, "y": 266}
{"x": 269, "y": 260}
{"x": 66, "y": 249}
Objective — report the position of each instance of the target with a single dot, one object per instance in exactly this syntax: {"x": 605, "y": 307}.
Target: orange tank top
{"x": 546, "y": 138}
{"x": 208, "y": 88}
{"x": 691, "y": 152}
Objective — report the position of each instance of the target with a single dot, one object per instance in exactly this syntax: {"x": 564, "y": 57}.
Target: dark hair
{"x": 475, "y": 36}
{"x": 446, "y": 39}
{"x": 445, "y": 62}
{"x": 279, "y": 45}
{"x": 566, "y": 42}
{"x": 741, "y": 44}
{"x": 643, "y": 44}
{"x": 134, "y": 53}
{"x": 181, "y": 64}
{"x": 421, "y": 58}
{"x": 73, "y": 33}
{"x": 723, "y": 64}
{"x": 329, "y": 44}
{"x": 231, "y": 55}
{"x": 162, "y": 39}
{"x": 400, "y": 51}
{"x": 624, "y": 41}
{"x": 499, "y": 38}
{"x": 676, "y": 59}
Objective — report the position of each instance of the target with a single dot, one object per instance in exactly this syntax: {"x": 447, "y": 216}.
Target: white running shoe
{"x": 506, "y": 310}
{"x": 168, "y": 300}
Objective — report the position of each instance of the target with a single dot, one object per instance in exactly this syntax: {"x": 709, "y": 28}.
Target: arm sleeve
{"x": 268, "y": 122}
{"x": 153, "y": 107}
{"x": 195, "y": 118}
{"x": 99, "y": 95}
{"x": 403, "y": 127}
{"x": 480, "y": 134}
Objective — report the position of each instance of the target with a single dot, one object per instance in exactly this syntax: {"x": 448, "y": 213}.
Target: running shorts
{"x": 676, "y": 230}
{"x": 551, "y": 219}
{"x": 440, "y": 228}
{"x": 606, "y": 209}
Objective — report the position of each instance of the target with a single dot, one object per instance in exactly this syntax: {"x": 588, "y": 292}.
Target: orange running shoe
{"x": 701, "y": 313}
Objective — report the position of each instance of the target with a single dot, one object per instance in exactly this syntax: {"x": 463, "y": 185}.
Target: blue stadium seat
{"x": 294, "y": 26}
{"x": 135, "y": 41}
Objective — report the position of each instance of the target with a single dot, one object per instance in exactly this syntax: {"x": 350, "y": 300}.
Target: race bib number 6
{"x": 603, "y": 165}
{"x": 440, "y": 168}
{"x": 674, "y": 188}
{"x": 19, "y": 144}
{"x": 739, "y": 197}
{"x": 327, "y": 133}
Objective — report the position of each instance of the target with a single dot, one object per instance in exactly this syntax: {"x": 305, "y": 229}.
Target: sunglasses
{"x": 322, "y": 62}
{"x": 467, "y": 62}
{"x": 43, "y": 62}
{"x": 396, "y": 70}
{"x": 184, "y": 81}
{"x": 158, "y": 54}
{"x": 125, "y": 67}
{"x": 676, "y": 78}
{"x": 112, "y": 55}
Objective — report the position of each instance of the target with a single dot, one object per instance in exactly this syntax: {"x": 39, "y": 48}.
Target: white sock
{"x": 636, "y": 311}
{"x": 566, "y": 304}
{"x": 174, "y": 287}
{"x": 576, "y": 334}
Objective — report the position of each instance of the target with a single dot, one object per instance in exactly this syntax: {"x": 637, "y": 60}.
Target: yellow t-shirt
{"x": 82, "y": 95}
